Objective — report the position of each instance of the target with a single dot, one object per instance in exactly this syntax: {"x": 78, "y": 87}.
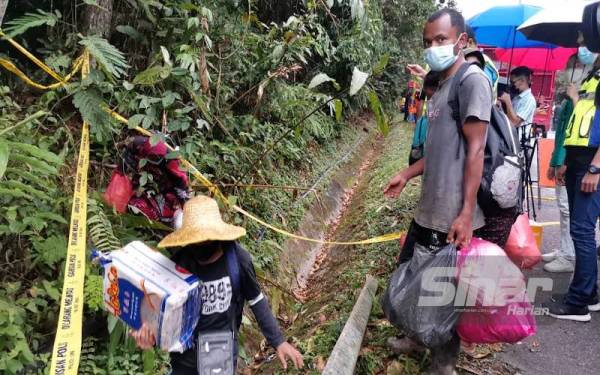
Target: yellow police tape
{"x": 8, "y": 65}
{"x": 215, "y": 191}
{"x": 34, "y": 59}
{"x": 67, "y": 343}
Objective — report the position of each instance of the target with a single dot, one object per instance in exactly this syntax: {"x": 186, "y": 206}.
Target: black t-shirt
{"x": 219, "y": 306}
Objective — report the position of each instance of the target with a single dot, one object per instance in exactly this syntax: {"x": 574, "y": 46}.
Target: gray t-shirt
{"x": 445, "y": 149}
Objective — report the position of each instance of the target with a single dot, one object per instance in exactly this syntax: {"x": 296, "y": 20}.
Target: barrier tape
{"x": 214, "y": 189}
{"x": 8, "y": 65}
{"x": 67, "y": 342}
{"x": 34, "y": 59}
{"x": 546, "y": 224}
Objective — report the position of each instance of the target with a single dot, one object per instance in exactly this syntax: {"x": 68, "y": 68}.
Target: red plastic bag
{"x": 497, "y": 308}
{"x": 521, "y": 246}
{"x": 118, "y": 192}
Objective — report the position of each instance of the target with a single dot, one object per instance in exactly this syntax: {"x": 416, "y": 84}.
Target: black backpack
{"x": 502, "y": 167}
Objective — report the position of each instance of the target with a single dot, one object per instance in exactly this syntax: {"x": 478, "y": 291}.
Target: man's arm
{"x": 397, "y": 184}
{"x": 514, "y": 119}
{"x": 474, "y": 132}
{"x": 589, "y": 183}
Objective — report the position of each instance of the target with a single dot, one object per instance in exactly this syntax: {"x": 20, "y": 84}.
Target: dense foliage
{"x": 227, "y": 81}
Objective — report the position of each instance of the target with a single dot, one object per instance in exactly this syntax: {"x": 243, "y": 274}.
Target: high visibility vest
{"x": 581, "y": 130}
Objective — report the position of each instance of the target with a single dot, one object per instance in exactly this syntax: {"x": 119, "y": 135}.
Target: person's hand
{"x": 550, "y": 173}
{"x": 287, "y": 351}
{"x": 589, "y": 183}
{"x": 143, "y": 337}
{"x": 560, "y": 175}
{"x": 395, "y": 186}
{"x": 573, "y": 93}
{"x": 416, "y": 70}
{"x": 461, "y": 231}
{"x": 504, "y": 98}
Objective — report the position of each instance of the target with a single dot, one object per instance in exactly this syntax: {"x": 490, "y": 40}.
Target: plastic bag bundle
{"x": 521, "y": 246}
{"x": 493, "y": 289}
{"x": 118, "y": 192}
{"x": 143, "y": 286}
{"x": 420, "y": 296}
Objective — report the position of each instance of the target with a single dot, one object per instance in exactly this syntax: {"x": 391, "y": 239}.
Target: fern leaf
{"x": 37, "y": 165}
{"x": 26, "y": 189}
{"x": 3, "y": 157}
{"x": 108, "y": 56}
{"x": 90, "y": 104}
{"x": 152, "y": 75}
{"x": 28, "y": 177}
{"x": 52, "y": 216}
{"x": 100, "y": 228}
{"x": 30, "y": 20}
{"x": 37, "y": 152}
{"x": 13, "y": 193}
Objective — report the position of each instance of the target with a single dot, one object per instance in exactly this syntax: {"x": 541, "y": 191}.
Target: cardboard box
{"x": 143, "y": 286}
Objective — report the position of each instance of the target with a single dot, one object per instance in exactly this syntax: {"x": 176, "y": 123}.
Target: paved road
{"x": 560, "y": 347}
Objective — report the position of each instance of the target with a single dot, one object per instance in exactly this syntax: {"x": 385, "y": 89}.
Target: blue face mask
{"x": 440, "y": 58}
{"x": 586, "y": 57}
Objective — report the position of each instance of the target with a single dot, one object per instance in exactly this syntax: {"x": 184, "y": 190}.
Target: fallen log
{"x": 342, "y": 360}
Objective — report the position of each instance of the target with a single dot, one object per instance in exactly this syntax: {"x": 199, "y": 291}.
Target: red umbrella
{"x": 536, "y": 58}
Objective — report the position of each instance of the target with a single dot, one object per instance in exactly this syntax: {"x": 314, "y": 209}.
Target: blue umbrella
{"x": 497, "y": 27}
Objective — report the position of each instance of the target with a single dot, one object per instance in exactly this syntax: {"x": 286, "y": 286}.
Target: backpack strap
{"x": 233, "y": 268}
{"x": 453, "y": 99}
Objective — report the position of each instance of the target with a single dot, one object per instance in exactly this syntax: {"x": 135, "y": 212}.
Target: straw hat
{"x": 202, "y": 222}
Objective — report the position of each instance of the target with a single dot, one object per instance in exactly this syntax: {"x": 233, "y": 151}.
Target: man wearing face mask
{"x": 452, "y": 167}
{"x": 582, "y": 139}
{"x": 521, "y": 108}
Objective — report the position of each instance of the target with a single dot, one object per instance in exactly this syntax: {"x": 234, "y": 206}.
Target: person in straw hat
{"x": 206, "y": 246}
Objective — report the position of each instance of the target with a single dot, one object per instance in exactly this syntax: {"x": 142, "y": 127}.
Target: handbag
{"x": 216, "y": 350}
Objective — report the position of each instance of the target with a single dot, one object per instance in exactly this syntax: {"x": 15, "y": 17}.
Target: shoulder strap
{"x": 233, "y": 267}
{"x": 453, "y": 99}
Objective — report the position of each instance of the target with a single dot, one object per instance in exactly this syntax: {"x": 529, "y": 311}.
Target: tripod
{"x": 528, "y": 151}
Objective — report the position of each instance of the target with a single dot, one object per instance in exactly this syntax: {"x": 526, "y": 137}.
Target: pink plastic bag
{"x": 493, "y": 289}
{"x": 521, "y": 247}
{"x": 118, "y": 192}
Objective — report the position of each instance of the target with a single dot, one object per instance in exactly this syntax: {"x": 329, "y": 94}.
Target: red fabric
{"x": 159, "y": 149}
{"x": 521, "y": 247}
{"x": 118, "y": 192}
{"x": 174, "y": 168}
{"x": 536, "y": 58}
{"x": 147, "y": 206}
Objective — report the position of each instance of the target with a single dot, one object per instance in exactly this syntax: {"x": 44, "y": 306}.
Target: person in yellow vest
{"x": 582, "y": 139}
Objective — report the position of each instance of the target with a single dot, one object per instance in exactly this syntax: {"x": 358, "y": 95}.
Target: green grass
{"x": 370, "y": 214}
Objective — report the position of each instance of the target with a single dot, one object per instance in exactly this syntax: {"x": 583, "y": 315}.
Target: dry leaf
{"x": 203, "y": 70}
{"x": 320, "y": 365}
{"x": 395, "y": 368}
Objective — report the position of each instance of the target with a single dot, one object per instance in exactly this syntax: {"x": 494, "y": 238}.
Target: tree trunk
{"x": 3, "y": 5}
{"x": 278, "y": 11}
{"x": 97, "y": 18}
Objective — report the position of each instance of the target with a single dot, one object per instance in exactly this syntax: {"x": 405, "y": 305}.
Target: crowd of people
{"x": 449, "y": 210}
{"x": 448, "y": 150}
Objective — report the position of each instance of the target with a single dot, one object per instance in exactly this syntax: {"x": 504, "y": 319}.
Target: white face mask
{"x": 440, "y": 58}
